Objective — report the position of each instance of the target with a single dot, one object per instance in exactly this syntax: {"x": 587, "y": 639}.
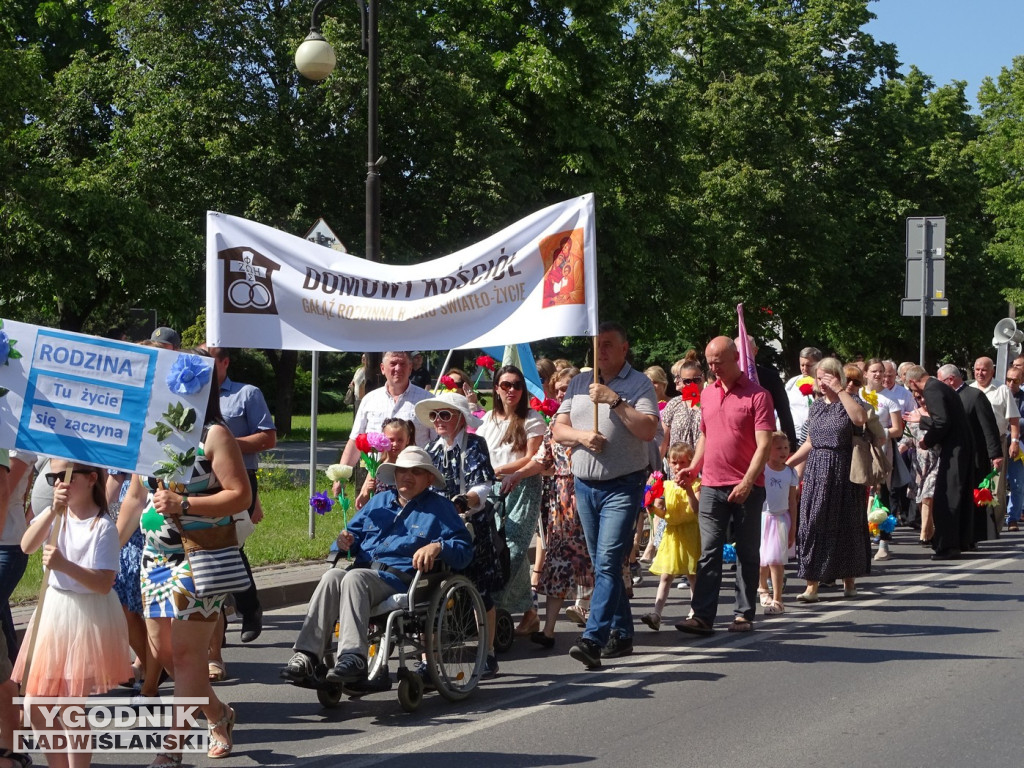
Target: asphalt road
{"x": 922, "y": 670}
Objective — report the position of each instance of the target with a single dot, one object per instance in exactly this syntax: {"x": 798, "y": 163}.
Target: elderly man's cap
{"x": 166, "y": 335}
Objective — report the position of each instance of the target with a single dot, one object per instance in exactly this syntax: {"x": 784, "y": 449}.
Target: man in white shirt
{"x": 395, "y": 400}
{"x": 798, "y": 405}
{"x": 1004, "y": 407}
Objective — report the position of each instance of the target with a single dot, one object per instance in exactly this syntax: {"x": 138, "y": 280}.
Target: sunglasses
{"x": 858, "y": 382}
{"x": 441, "y": 415}
{"x": 687, "y": 382}
{"x": 53, "y": 477}
{"x": 505, "y": 386}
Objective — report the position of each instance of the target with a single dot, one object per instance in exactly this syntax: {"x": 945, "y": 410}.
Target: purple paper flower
{"x": 321, "y": 502}
{"x": 187, "y": 375}
{"x": 379, "y": 441}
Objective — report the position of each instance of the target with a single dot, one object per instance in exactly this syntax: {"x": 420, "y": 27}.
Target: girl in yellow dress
{"x": 679, "y": 550}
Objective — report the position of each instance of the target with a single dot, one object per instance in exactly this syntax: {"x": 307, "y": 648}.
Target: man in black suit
{"x": 987, "y": 455}
{"x": 946, "y": 426}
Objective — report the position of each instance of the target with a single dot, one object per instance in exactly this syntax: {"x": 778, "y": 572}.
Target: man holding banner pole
{"x": 611, "y": 465}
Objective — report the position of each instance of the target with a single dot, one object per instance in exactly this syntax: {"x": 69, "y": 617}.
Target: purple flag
{"x": 746, "y": 359}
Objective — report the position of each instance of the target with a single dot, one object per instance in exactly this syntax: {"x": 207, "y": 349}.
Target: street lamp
{"x": 315, "y": 59}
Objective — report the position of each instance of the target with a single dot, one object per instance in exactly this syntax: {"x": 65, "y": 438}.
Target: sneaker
{"x": 300, "y": 667}
{"x": 351, "y": 668}
{"x": 586, "y": 651}
{"x": 618, "y": 646}
{"x": 421, "y": 670}
{"x": 652, "y": 620}
{"x": 883, "y": 551}
{"x": 1011, "y": 526}
{"x": 490, "y": 668}
{"x": 682, "y": 584}
{"x": 576, "y": 614}
{"x": 635, "y": 575}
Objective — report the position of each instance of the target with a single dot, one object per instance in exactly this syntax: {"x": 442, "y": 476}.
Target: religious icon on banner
{"x": 563, "y": 265}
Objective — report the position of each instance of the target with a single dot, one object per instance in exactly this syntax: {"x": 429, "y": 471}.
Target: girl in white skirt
{"x": 777, "y": 531}
{"x": 81, "y": 647}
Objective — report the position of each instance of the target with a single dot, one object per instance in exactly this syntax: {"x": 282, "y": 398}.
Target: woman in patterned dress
{"x": 179, "y": 623}
{"x": 513, "y": 432}
{"x": 466, "y": 466}
{"x": 567, "y": 564}
{"x": 832, "y": 538}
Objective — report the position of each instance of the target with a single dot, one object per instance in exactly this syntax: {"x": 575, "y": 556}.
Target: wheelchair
{"x": 441, "y": 617}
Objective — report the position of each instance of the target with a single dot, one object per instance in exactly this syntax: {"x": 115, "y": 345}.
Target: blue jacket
{"x": 389, "y": 533}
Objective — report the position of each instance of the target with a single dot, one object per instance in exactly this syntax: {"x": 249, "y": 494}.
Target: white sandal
{"x": 766, "y": 598}
{"x": 774, "y": 608}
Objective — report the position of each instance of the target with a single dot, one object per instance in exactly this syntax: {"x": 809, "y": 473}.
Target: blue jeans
{"x": 1015, "y": 488}
{"x": 607, "y": 510}
{"x": 716, "y": 512}
{"x": 12, "y": 568}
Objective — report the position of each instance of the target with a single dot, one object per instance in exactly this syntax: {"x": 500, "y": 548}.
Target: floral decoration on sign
{"x": 7, "y": 350}
{"x": 188, "y": 375}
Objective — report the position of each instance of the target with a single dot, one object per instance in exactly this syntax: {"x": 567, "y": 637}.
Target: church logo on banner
{"x": 248, "y": 281}
{"x": 563, "y": 269}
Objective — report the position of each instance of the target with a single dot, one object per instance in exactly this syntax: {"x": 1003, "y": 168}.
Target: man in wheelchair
{"x": 397, "y": 533}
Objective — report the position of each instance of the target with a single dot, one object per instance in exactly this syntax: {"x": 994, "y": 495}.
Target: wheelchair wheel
{"x": 329, "y": 696}
{"x": 504, "y": 630}
{"x": 410, "y": 692}
{"x": 456, "y": 638}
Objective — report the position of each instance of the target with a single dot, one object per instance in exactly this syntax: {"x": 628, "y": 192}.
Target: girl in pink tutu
{"x": 777, "y": 532}
{"x": 81, "y": 646}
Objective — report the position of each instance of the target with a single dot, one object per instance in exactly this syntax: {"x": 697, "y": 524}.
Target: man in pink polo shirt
{"x": 736, "y": 425}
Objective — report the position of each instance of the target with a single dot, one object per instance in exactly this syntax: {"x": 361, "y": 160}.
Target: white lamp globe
{"x": 315, "y": 58}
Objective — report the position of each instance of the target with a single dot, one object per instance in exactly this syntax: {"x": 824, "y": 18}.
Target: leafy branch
{"x": 177, "y": 418}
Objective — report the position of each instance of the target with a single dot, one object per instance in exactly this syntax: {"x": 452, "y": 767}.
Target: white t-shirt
{"x": 96, "y": 547}
{"x": 776, "y": 489}
{"x": 901, "y": 395}
{"x": 493, "y": 431}
{"x": 1004, "y": 406}
{"x": 379, "y": 405}
{"x": 886, "y": 407}
{"x": 798, "y": 405}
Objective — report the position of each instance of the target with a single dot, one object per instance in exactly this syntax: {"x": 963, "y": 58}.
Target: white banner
{"x": 102, "y": 402}
{"x": 533, "y": 280}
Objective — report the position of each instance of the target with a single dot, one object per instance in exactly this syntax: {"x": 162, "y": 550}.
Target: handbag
{"x": 214, "y": 559}
{"x": 870, "y": 465}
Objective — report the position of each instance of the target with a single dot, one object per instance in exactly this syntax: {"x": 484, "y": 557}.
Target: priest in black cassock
{"x": 946, "y": 426}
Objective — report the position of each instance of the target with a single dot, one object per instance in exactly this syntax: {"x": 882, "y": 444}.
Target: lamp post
{"x": 315, "y": 60}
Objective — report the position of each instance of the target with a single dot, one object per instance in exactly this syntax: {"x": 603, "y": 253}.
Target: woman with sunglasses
{"x": 513, "y": 432}
{"x": 466, "y": 465}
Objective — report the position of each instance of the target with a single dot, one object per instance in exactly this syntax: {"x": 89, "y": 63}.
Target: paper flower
{"x": 371, "y": 445}
{"x": 339, "y": 473}
{"x": 662, "y": 404}
{"x": 447, "y": 384}
{"x": 873, "y": 529}
{"x": 548, "y": 407}
{"x": 654, "y": 489}
{"x": 805, "y": 384}
{"x": 877, "y": 516}
{"x": 321, "y": 502}
{"x": 488, "y": 362}
{"x": 888, "y": 525}
{"x": 187, "y": 375}
{"x": 869, "y": 397}
{"x": 691, "y": 394}
{"x": 983, "y": 497}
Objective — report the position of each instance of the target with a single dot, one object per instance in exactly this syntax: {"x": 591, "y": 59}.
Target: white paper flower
{"x": 339, "y": 473}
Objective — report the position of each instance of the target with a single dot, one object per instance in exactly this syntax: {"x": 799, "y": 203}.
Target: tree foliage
{"x": 763, "y": 151}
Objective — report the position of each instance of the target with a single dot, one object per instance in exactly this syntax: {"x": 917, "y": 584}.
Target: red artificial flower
{"x": 536, "y": 404}
{"x": 655, "y": 488}
{"x": 807, "y": 389}
{"x": 982, "y": 497}
{"x": 488, "y": 362}
{"x": 550, "y": 406}
{"x": 448, "y": 382}
{"x": 363, "y": 444}
{"x": 691, "y": 394}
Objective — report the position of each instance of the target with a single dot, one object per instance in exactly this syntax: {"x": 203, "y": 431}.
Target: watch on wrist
{"x": 185, "y": 505}
{"x": 617, "y": 403}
